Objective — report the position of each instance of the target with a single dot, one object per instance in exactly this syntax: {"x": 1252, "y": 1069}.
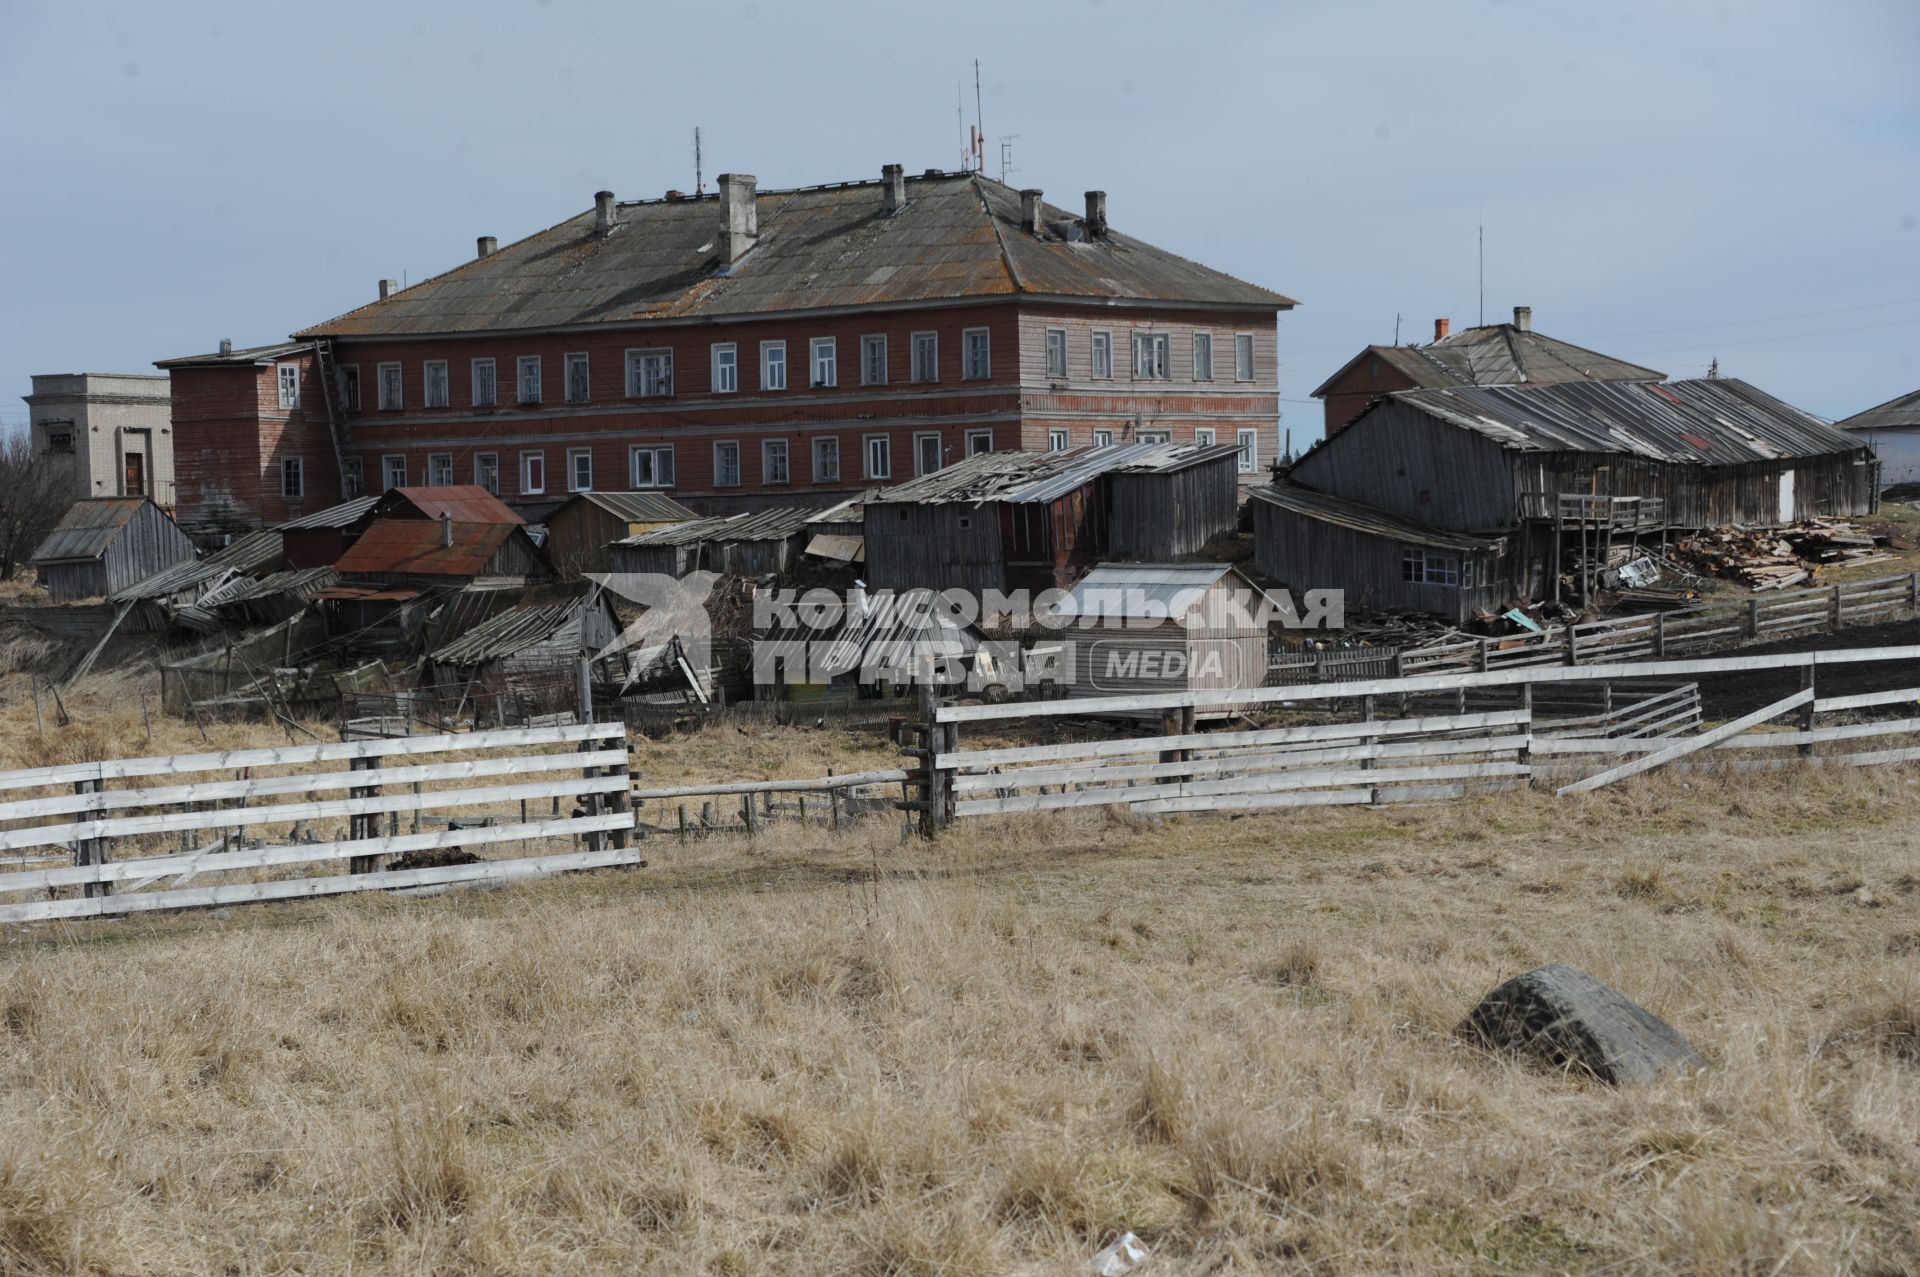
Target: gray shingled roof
{"x": 1891, "y": 415}
{"x": 637, "y": 507}
{"x": 1501, "y": 355}
{"x": 760, "y": 525}
{"x": 248, "y": 355}
{"x": 1708, "y": 421}
{"x": 957, "y": 237}
{"x": 87, "y": 528}
{"x": 1043, "y": 476}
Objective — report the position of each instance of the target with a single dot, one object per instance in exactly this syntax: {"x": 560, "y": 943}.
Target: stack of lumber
{"x": 1775, "y": 558}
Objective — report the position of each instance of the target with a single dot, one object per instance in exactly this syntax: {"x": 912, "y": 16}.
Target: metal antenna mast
{"x": 979, "y": 121}
{"x": 1007, "y": 166}
{"x": 699, "y": 180}
{"x": 1483, "y": 273}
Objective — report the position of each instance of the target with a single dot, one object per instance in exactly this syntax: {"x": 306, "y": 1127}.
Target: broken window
{"x": 1150, "y": 356}
{"x": 579, "y": 380}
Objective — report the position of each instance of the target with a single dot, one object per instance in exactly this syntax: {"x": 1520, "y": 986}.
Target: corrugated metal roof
{"x": 1708, "y": 421}
{"x": 1023, "y": 477}
{"x": 760, "y": 525}
{"x": 87, "y": 529}
{"x": 464, "y": 502}
{"x": 505, "y": 633}
{"x": 638, "y": 507}
{"x": 1143, "y": 590}
{"x": 334, "y": 516}
{"x": 1500, "y": 355}
{"x": 249, "y": 554}
{"x": 248, "y": 355}
{"x": 1342, "y": 513}
{"x": 417, "y": 546}
{"x": 1891, "y": 415}
{"x": 957, "y": 237}
{"x": 300, "y": 582}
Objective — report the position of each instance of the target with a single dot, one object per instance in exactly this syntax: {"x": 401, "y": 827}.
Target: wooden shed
{"x": 587, "y": 523}
{"x": 1307, "y": 540}
{"x": 756, "y": 544}
{"x": 1169, "y": 503}
{"x": 1169, "y": 627}
{"x": 104, "y": 544}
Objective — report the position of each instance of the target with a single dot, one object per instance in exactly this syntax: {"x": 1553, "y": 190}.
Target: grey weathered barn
{"x": 104, "y": 544}
{"x": 1307, "y": 540}
{"x": 1564, "y": 467}
{"x": 587, "y": 523}
{"x": 744, "y": 544}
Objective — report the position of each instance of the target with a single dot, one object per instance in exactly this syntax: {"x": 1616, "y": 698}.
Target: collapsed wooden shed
{"x": 754, "y": 544}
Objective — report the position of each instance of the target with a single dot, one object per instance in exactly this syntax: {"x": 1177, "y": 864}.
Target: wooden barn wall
{"x": 1708, "y": 496}
{"x": 1158, "y": 518}
{"x": 749, "y": 558}
{"x": 938, "y": 547}
{"x": 1307, "y": 554}
{"x": 517, "y": 556}
{"x": 82, "y": 579}
{"x": 578, "y": 536}
{"x": 1403, "y": 461}
{"x": 667, "y": 560}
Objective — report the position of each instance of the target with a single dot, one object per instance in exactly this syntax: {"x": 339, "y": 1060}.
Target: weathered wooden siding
{"x": 1307, "y": 554}
{"x": 578, "y": 535}
{"x": 911, "y": 546}
{"x": 1161, "y": 517}
{"x": 1400, "y": 460}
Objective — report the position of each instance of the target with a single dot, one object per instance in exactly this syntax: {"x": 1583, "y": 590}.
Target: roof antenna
{"x": 1007, "y": 166}
{"x": 699, "y": 179}
{"x": 979, "y": 124}
{"x": 1483, "y": 271}
{"x": 1396, "y": 328}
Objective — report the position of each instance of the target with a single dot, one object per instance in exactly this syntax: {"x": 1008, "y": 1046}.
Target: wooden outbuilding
{"x": 587, "y": 523}
{"x": 104, "y": 544}
{"x": 756, "y": 544}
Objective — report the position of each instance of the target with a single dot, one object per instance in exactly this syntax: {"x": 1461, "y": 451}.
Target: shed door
{"x": 1786, "y": 496}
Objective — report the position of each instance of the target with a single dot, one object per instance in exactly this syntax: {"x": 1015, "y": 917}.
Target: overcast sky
{"x": 1665, "y": 181}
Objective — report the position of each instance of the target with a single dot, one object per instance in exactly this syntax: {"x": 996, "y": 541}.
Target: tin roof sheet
{"x": 1143, "y": 590}
{"x": 1044, "y": 476}
{"x": 638, "y": 507}
{"x": 247, "y": 355}
{"x": 957, "y": 237}
{"x": 87, "y": 528}
{"x": 418, "y": 546}
{"x": 1500, "y": 355}
{"x": 334, "y": 516}
{"x": 505, "y": 633}
{"x": 463, "y": 502}
{"x": 1342, "y": 513}
{"x": 760, "y": 525}
{"x": 1891, "y": 415}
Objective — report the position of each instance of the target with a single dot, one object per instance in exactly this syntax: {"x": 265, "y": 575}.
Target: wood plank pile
{"x": 1775, "y": 558}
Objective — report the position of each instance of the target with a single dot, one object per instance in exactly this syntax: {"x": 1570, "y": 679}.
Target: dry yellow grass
{"x": 995, "y": 1053}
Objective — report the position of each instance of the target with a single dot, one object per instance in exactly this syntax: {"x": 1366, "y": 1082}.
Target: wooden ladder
{"x": 336, "y": 414}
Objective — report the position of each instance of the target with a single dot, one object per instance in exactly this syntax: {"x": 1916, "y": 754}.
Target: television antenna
{"x": 1007, "y": 166}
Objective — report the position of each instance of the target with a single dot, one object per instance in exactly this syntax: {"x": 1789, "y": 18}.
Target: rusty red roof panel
{"x": 462, "y": 502}
{"x": 418, "y": 546}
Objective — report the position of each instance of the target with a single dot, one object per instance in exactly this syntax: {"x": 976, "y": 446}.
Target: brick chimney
{"x": 388, "y": 287}
{"x": 893, "y": 189}
{"x": 1523, "y": 318}
{"x": 1441, "y": 327}
{"x": 1096, "y": 213}
{"x": 740, "y": 214}
{"x": 1030, "y": 210}
{"x": 226, "y": 345}
{"x": 605, "y": 216}
{"x": 485, "y": 245}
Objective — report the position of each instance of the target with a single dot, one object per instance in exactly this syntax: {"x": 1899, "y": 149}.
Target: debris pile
{"x": 1775, "y": 558}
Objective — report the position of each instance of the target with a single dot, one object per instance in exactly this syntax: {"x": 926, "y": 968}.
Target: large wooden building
{"x": 756, "y": 348}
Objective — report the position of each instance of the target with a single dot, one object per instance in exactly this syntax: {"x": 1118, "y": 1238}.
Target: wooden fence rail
{"x": 484, "y": 802}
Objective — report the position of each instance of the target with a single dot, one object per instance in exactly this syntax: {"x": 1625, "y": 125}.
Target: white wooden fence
{"x": 124, "y": 859}
{"x": 1377, "y": 760}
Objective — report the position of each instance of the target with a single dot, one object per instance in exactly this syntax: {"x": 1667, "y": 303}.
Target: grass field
{"x": 994, "y": 1053}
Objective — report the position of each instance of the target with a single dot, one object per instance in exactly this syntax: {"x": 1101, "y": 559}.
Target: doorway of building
{"x": 136, "y": 476}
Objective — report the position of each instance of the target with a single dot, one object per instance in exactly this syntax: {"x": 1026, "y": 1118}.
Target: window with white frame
{"x": 927, "y": 452}
{"x": 393, "y": 470}
{"x": 349, "y": 386}
{"x": 979, "y": 441}
{"x": 1204, "y": 435}
{"x": 440, "y": 469}
{"x": 486, "y": 471}
{"x": 651, "y": 466}
{"x": 1103, "y": 438}
{"x": 1102, "y": 350}
{"x": 1150, "y": 356}
{"x": 1249, "y": 440}
{"x": 390, "y": 398}
{"x": 649, "y": 373}
{"x": 580, "y": 469}
{"x": 773, "y": 462}
{"x": 879, "y": 450}
{"x": 293, "y": 479}
{"x": 1057, "y": 353}
{"x": 726, "y": 464}
{"x": 726, "y": 368}
{"x": 1243, "y": 357}
{"x": 1056, "y": 441}
{"x": 529, "y": 369}
{"x": 1203, "y": 356}
{"x": 873, "y": 359}
{"x": 579, "y": 378}
{"x": 436, "y": 394}
{"x": 826, "y": 459}
{"x": 486, "y": 384}
{"x": 926, "y": 357}
{"x": 826, "y": 362}
{"x": 533, "y": 473}
{"x": 289, "y": 385}
{"x": 773, "y": 365}
{"x": 1424, "y": 567}
{"x": 976, "y": 354}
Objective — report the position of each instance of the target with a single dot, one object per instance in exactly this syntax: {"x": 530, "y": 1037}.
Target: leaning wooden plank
{"x": 292, "y": 755}
{"x": 1382, "y": 728}
{"x": 285, "y": 813}
{"x": 333, "y": 885}
{"x": 1078, "y": 707}
{"x": 1862, "y": 700}
{"x": 1762, "y": 740}
{"x": 307, "y": 853}
{"x": 772, "y": 786}
{"x": 1689, "y": 744}
{"x": 1262, "y": 783}
{"x": 222, "y": 790}
{"x": 1258, "y": 802}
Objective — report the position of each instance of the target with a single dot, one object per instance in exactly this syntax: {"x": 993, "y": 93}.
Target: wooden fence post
{"x": 1806, "y": 711}
{"x": 1659, "y": 635}
{"x": 1525, "y": 757}
{"x": 92, "y": 851}
{"x": 583, "y": 698}
{"x": 1835, "y": 627}
{"x": 1753, "y": 618}
{"x": 363, "y": 826}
